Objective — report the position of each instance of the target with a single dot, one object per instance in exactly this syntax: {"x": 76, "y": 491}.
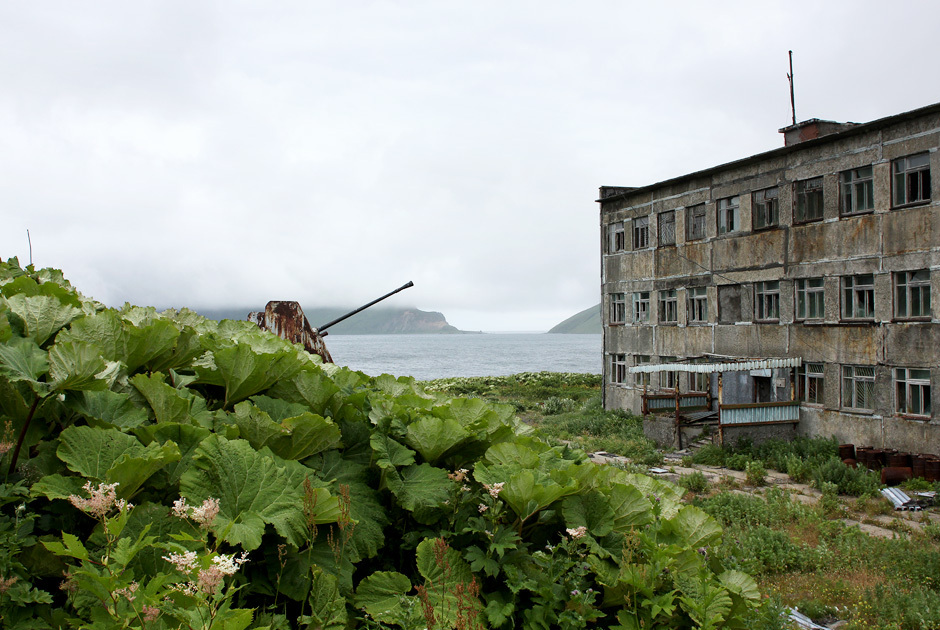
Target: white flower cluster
{"x": 100, "y": 500}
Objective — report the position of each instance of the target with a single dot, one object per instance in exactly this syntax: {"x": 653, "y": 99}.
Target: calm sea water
{"x": 428, "y": 357}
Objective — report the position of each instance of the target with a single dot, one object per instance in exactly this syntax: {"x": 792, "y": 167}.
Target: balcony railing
{"x": 759, "y": 413}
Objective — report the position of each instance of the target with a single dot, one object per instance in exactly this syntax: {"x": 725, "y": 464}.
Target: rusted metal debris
{"x": 287, "y": 321}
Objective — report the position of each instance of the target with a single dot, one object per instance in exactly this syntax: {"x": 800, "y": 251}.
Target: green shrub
{"x": 694, "y": 482}
{"x": 709, "y": 455}
{"x": 755, "y": 473}
{"x": 555, "y": 405}
{"x": 851, "y": 481}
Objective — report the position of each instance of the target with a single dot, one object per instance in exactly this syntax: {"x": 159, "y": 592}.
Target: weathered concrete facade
{"x": 827, "y": 249}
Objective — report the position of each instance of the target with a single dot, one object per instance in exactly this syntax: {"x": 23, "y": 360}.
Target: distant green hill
{"x": 372, "y": 321}
{"x": 587, "y": 321}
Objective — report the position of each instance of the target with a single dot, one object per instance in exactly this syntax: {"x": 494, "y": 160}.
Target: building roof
{"x": 855, "y": 129}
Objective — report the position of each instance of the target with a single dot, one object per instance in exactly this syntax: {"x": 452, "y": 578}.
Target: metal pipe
{"x": 322, "y": 328}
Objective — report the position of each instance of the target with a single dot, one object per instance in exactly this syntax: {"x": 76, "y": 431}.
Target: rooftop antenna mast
{"x": 790, "y": 77}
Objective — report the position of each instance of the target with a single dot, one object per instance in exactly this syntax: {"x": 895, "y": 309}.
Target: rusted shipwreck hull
{"x": 287, "y": 321}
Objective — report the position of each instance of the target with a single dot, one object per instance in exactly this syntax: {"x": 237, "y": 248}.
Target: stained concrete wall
{"x": 881, "y": 242}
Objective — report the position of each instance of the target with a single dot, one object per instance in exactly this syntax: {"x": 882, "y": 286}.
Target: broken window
{"x": 695, "y": 222}
{"x": 616, "y": 238}
{"x": 641, "y": 233}
{"x": 729, "y": 304}
{"x": 699, "y": 381}
{"x": 618, "y": 308}
{"x": 618, "y": 368}
{"x": 912, "y": 391}
{"x": 911, "y": 179}
{"x": 668, "y": 380}
{"x": 767, "y": 301}
{"x": 858, "y": 387}
{"x": 698, "y": 305}
{"x": 858, "y": 296}
{"x": 641, "y": 379}
{"x": 808, "y": 200}
{"x": 810, "y": 298}
{"x": 766, "y": 210}
{"x": 728, "y": 219}
{"x": 668, "y": 307}
{"x": 856, "y": 191}
{"x": 809, "y": 383}
{"x": 641, "y": 307}
{"x": 667, "y": 228}
{"x": 912, "y": 294}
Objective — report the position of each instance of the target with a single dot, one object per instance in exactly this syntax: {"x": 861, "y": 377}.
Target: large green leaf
{"x": 91, "y": 452}
{"x": 432, "y": 437}
{"x": 21, "y": 359}
{"x": 42, "y": 315}
{"x": 168, "y": 403}
{"x": 120, "y": 340}
{"x": 528, "y": 492}
{"x": 591, "y": 510}
{"x": 390, "y": 453}
{"x": 76, "y": 366}
{"x": 448, "y": 580}
{"x": 419, "y": 486}
{"x": 252, "y": 491}
{"x": 693, "y": 527}
{"x": 131, "y": 471}
{"x": 187, "y": 438}
{"x": 294, "y": 438}
{"x": 381, "y": 595}
{"x": 109, "y": 406}
{"x": 244, "y": 371}
{"x": 311, "y": 387}
{"x": 631, "y": 509}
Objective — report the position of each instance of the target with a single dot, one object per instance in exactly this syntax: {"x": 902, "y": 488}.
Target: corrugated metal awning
{"x": 743, "y": 365}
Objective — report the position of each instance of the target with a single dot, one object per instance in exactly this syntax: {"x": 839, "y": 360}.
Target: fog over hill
{"x": 372, "y": 321}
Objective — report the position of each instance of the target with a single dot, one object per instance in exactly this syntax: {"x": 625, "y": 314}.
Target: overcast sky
{"x": 226, "y": 153}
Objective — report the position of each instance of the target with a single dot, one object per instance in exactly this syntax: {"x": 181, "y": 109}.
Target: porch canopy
{"x": 727, "y": 365}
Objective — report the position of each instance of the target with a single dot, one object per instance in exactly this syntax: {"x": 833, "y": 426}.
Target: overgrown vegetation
{"x": 166, "y": 471}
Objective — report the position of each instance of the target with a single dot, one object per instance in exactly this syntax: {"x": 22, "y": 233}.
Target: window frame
{"x": 668, "y": 379}
{"x": 641, "y": 233}
{"x": 802, "y": 195}
{"x": 663, "y": 220}
{"x": 697, "y": 305}
{"x": 852, "y": 291}
{"x": 668, "y": 305}
{"x": 905, "y": 384}
{"x": 810, "y": 383}
{"x": 855, "y": 187}
{"x": 640, "y": 302}
{"x": 807, "y": 295}
{"x": 696, "y": 217}
{"x": 728, "y": 212}
{"x": 641, "y": 379}
{"x": 764, "y": 203}
{"x": 767, "y": 301}
{"x": 616, "y": 238}
{"x": 618, "y": 309}
{"x": 907, "y": 287}
{"x": 618, "y": 369}
{"x": 903, "y": 175}
{"x": 852, "y": 380}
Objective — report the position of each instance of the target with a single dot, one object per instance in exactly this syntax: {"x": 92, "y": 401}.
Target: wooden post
{"x": 721, "y": 429}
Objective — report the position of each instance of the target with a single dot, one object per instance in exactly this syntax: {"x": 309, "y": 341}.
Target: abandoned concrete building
{"x": 786, "y": 293}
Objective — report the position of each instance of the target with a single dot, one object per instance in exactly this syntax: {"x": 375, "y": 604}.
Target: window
{"x": 810, "y": 299}
{"x": 641, "y": 307}
{"x": 730, "y": 309}
{"x": 668, "y": 380}
{"x": 641, "y": 379}
{"x": 767, "y": 301}
{"x": 641, "y": 233}
{"x": 912, "y": 391}
{"x": 808, "y": 197}
{"x": 667, "y": 228}
{"x": 809, "y": 383}
{"x": 699, "y": 381}
{"x": 618, "y": 308}
{"x": 668, "y": 307}
{"x": 858, "y": 297}
{"x": 698, "y": 305}
{"x": 695, "y": 222}
{"x": 618, "y": 368}
{"x": 856, "y": 191}
{"x": 766, "y": 210}
{"x": 616, "y": 239}
{"x": 911, "y": 179}
{"x": 858, "y": 387}
{"x": 912, "y": 294}
{"x": 728, "y": 215}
